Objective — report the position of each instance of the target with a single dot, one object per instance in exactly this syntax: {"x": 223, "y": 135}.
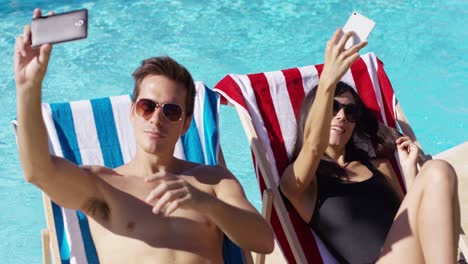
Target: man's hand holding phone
{"x": 30, "y": 64}
{"x": 33, "y": 48}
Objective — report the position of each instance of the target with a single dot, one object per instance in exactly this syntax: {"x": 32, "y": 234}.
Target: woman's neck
{"x": 336, "y": 153}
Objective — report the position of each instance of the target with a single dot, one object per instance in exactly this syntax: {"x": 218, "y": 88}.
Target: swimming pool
{"x": 422, "y": 44}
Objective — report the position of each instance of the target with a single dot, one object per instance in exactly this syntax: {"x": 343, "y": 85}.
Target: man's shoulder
{"x": 202, "y": 170}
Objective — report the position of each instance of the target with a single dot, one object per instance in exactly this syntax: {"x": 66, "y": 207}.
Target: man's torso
{"x": 186, "y": 236}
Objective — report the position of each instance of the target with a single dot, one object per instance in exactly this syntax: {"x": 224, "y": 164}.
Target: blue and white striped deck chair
{"x": 99, "y": 132}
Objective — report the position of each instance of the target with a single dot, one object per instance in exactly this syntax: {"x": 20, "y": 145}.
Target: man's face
{"x": 154, "y": 132}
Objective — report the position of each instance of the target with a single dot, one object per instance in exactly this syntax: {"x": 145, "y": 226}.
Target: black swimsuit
{"x": 353, "y": 219}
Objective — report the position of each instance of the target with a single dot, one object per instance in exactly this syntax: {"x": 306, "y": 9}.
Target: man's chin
{"x": 153, "y": 149}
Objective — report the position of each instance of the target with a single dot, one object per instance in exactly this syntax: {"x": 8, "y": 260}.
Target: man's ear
{"x": 132, "y": 111}
{"x": 187, "y": 121}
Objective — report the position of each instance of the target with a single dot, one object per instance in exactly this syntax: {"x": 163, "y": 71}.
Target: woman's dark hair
{"x": 370, "y": 138}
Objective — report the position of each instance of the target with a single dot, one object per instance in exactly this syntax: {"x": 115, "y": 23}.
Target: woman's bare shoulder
{"x": 384, "y": 166}
{"x": 377, "y": 162}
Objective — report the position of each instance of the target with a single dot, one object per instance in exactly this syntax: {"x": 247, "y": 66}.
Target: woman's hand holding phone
{"x": 344, "y": 46}
{"x": 337, "y": 59}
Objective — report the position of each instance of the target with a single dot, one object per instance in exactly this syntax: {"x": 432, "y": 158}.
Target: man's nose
{"x": 157, "y": 117}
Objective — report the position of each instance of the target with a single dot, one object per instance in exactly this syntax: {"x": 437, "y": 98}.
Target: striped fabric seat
{"x": 268, "y": 104}
{"x": 99, "y": 132}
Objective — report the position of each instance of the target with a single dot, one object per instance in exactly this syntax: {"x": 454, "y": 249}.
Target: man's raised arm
{"x": 65, "y": 183}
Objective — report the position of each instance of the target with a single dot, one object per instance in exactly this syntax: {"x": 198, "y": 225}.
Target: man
{"x": 156, "y": 208}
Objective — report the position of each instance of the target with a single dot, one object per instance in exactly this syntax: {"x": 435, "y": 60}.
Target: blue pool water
{"x": 422, "y": 43}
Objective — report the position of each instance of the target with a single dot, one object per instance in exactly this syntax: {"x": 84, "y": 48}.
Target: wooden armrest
{"x": 267, "y": 204}
{"x": 45, "y": 246}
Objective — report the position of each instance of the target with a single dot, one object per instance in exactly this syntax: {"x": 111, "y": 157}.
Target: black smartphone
{"x": 59, "y": 28}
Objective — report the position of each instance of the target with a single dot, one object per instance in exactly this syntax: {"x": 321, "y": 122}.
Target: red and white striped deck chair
{"x": 268, "y": 105}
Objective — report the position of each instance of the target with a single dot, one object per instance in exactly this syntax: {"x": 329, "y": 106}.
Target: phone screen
{"x": 362, "y": 27}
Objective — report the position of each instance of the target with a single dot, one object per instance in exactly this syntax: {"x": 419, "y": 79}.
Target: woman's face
{"x": 341, "y": 127}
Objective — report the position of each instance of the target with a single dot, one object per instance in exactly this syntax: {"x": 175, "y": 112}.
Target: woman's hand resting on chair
{"x": 408, "y": 153}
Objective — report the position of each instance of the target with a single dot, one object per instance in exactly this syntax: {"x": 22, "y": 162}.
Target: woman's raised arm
{"x": 298, "y": 182}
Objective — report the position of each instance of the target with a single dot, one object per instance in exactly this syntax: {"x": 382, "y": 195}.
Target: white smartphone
{"x": 361, "y": 26}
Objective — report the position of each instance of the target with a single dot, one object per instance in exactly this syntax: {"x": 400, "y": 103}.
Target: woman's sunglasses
{"x": 351, "y": 110}
{"x": 146, "y": 107}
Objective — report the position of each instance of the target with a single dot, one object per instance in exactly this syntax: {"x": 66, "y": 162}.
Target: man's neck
{"x": 145, "y": 164}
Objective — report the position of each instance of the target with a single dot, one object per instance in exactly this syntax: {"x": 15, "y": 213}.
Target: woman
{"x": 354, "y": 202}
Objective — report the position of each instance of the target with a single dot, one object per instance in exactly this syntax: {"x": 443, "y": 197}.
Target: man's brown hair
{"x": 171, "y": 69}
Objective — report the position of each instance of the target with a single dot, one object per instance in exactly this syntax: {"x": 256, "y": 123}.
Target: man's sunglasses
{"x": 351, "y": 110}
{"x": 146, "y": 107}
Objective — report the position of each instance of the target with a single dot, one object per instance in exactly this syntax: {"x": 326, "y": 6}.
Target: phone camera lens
{"x": 79, "y": 23}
